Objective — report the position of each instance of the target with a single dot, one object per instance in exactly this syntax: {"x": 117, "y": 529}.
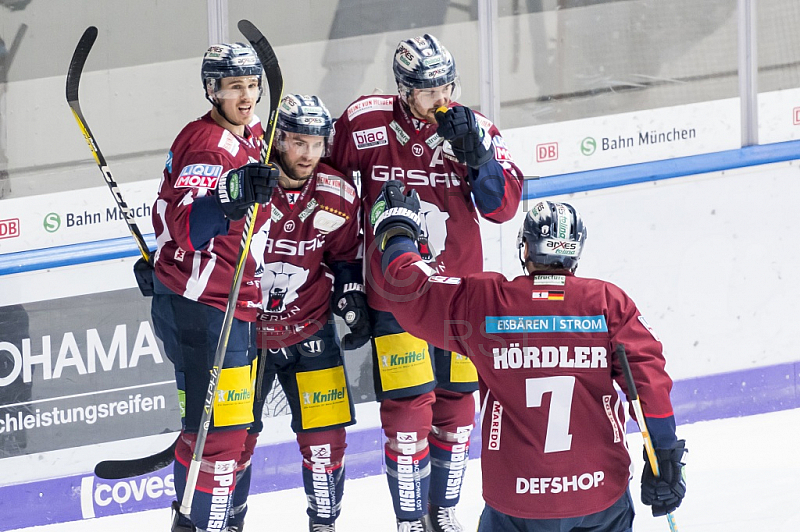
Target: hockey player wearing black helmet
{"x": 297, "y": 338}
{"x": 231, "y": 75}
{"x": 546, "y": 345}
{"x": 302, "y": 137}
{"x": 426, "y": 76}
{"x": 211, "y": 178}
{"x": 458, "y": 162}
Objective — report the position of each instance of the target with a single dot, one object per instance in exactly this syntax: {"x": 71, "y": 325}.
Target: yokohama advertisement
{"x": 82, "y": 370}
{"x": 80, "y": 373}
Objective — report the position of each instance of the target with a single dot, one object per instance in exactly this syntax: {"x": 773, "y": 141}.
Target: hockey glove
{"x": 471, "y": 145}
{"x": 238, "y": 189}
{"x": 395, "y": 213}
{"x": 351, "y": 306}
{"x": 665, "y": 492}
{"x": 143, "y": 271}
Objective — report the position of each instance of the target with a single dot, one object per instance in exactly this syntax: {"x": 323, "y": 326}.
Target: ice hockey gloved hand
{"x": 471, "y": 145}
{"x": 395, "y": 213}
{"x": 665, "y": 492}
{"x": 351, "y": 305}
{"x": 245, "y": 186}
{"x": 143, "y": 271}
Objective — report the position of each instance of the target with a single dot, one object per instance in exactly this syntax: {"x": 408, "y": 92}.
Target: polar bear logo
{"x": 279, "y": 285}
{"x": 433, "y": 230}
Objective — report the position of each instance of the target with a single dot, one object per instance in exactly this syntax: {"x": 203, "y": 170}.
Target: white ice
{"x": 743, "y": 475}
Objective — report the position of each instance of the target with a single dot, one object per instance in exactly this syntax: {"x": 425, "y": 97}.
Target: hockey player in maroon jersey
{"x": 554, "y": 453}
{"x": 459, "y": 164}
{"x": 212, "y": 177}
{"x": 313, "y": 255}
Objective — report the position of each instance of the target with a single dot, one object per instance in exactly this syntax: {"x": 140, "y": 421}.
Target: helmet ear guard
{"x": 555, "y": 235}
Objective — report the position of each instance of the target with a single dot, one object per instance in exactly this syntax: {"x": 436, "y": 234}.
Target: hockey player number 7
{"x": 558, "y": 437}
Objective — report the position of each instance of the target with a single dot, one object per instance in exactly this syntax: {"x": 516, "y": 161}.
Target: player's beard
{"x": 292, "y": 173}
{"x": 294, "y": 179}
{"x": 430, "y": 117}
{"x": 422, "y": 114}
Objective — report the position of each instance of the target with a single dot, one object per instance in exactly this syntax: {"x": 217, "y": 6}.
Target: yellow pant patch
{"x": 403, "y": 361}
{"x": 323, "y": 397}
{"x": 462, "y": 369}
{"x": 233, "y": 404}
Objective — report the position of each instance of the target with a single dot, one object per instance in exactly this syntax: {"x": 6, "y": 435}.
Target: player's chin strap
{"x": 218, "y": 106}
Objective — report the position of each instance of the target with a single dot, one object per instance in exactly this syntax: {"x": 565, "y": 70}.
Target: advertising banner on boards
{"x": 89, "y": 369}
{"x": 73, "y": 216}
{"x": 82, "y": 370}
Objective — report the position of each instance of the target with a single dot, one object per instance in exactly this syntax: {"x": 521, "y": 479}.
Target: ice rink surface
{"x": 743, "y": 475}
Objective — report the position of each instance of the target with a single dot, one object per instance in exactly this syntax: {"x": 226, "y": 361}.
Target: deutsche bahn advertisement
{"x": 73, "y": 216}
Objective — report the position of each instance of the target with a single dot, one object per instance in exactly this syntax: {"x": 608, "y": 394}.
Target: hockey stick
{"x": 637, "y": 408}
{"x": 117, "y": 469}
{"x": 73, "y": 80}
{"x": 272, "y": 71}
{"x": 110, "y": 469}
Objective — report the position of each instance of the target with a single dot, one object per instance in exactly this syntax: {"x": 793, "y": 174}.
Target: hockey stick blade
{"x": 272, "y": 71}
{"x": 73, "y": 83}
{"x": 118, "y": 469}
{"x": 262, "y": 47}
{"x": 78, "y": 61}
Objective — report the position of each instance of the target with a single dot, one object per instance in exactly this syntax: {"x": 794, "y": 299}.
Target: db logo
{"x": 370, "y": 138}
{"x": 9, "y": 228}
{"x": 547, "y": 152}
{"x": 797, "y": 116}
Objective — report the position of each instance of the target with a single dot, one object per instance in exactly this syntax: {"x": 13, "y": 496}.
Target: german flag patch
{"x": 550, "y": 295}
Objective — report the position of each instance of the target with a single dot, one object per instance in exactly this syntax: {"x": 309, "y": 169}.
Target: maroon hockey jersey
{"x": 376, "y": 137}
{"x": 200, "y": 154}
{"x": 310, "y": 230}
{"x": 544, "y": 346}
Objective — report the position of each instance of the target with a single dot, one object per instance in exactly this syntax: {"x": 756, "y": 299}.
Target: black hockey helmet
{"x": 303, "y": 115}
{"x": 555, "y": 235}
{"x": 229, "y": 61}
{"x": 306, "y": 115}
{"x": 423, "y": 63}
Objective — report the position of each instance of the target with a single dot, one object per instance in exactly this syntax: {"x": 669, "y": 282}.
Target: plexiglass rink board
{"x": 559, "y": 60}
